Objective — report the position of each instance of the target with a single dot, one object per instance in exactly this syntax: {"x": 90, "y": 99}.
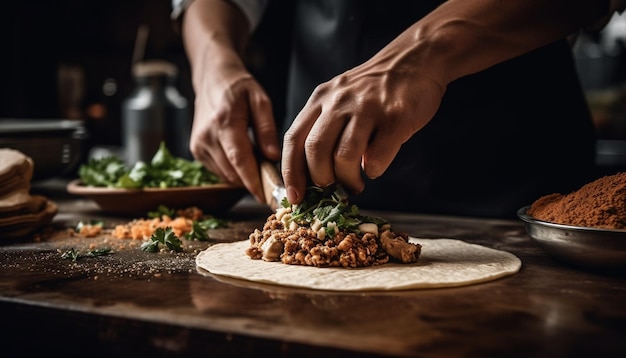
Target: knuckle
{"x": 290, "y": 138}
{"x": 223, "y": 117}
{"x": 345, "y": 154}
{"x": 394, "y": 109}
{"x": 340, "y": 97}
{"x": 313, "y": 145}
{"x": 195, "y": 149}
{"x": 265, "y": 127}
{"x": 261, "y": 99}
{"x": 320, "y": 91}
{"x": 286, "y": 171}
{"x": 236, "y": 157}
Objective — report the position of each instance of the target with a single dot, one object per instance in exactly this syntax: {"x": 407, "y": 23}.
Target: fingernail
{"x": 292, "y": 195}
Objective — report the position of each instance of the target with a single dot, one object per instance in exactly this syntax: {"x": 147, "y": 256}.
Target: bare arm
{"x": 228, "y": 99}
{"x": 470, "y": 36}
{"x": 368, "y": 112}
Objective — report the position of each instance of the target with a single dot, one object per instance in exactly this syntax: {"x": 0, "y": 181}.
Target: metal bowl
{"x": 581, "y": 246}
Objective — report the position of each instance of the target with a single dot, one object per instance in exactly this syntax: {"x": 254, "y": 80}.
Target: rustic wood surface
{"x": 133, "y": 303}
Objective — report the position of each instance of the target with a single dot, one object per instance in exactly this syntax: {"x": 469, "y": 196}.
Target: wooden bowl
{"x": 214, "y": 199}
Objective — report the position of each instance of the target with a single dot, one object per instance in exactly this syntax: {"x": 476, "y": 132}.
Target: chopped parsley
{"x": 198, "y": 232}
{"x": 76, "y": 255}
{"x": 160, "y": 211}
{"x": 329, "y": 204}
{"x": 163, "y": 171}
{"x": 165, "y": 237}
{"x": 199, "y": 229}
{"x": 211, "y": 222}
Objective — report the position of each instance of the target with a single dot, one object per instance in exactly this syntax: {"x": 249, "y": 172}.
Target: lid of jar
{"x": 149, "y": 68}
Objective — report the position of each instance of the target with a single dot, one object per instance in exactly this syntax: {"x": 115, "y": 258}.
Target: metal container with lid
{"x": 155, "y": 111}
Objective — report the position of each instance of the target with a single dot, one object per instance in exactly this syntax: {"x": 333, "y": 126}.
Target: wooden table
{"x": 134, "y": 303}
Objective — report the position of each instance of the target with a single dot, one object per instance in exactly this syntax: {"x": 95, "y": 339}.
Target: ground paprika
{"x": 599, "y": 204}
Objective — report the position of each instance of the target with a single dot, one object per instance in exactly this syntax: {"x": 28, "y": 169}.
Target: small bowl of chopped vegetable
{"x": 170, "y": 181}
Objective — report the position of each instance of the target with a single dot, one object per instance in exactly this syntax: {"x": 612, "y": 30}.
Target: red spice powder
{"x": 599, "y": 204}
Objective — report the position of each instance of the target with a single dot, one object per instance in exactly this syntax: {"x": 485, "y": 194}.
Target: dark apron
{"x": 501, "y": 139}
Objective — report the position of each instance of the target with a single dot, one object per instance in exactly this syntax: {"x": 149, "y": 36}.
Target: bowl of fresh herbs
{"x": 166, "y": 180}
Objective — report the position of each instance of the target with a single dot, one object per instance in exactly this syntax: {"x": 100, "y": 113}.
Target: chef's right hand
{"x": 229, "y": 102}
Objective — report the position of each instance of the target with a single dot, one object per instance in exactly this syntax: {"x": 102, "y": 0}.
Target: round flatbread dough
{"x": 442, "y": 263}
{"x": 16, "y": 170}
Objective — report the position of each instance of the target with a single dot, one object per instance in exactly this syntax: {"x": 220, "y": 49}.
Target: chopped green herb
{"x": 76, "y": 255}
{"x": 150, "y": 246}
{"x": 214, "y": 223}
{"x": 104, "y": 171}
{"x": 199, "y": 228}
{"x": 329, "y": 204}
{"x": 165, "y": 237}
{"x": 70, "y": 254}
{"x": 163, "y": 171}
{"x": 160, "y": 211}
{"x": 198, "y": 232}
{"x": 330, "y": 231}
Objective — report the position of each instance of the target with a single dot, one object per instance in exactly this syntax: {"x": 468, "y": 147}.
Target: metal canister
{"x": 155, "y": 111}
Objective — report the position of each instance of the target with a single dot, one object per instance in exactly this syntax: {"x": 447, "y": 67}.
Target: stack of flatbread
{"x": 20, "y": 212}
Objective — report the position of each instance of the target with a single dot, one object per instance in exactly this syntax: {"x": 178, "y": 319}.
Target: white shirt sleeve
{"x": 252, "y": 9}
{"x": 616, "y": 7}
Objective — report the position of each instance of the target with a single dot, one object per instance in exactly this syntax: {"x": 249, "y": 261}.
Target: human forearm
{"x": 228, "y": 100}
{"x": 214, "y": 34}
{"x": 369, "y": 111}
{"x": 462, "y": 37}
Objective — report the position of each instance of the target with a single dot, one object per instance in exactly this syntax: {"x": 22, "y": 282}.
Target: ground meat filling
{"x": 303, "y": 246}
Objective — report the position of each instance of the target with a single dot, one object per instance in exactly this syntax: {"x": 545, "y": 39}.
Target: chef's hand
{"x": 357, "y": 121}
{"x": 228, "y": 103}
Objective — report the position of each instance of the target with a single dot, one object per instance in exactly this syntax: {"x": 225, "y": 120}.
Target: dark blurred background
{"x": 72, "y": 59}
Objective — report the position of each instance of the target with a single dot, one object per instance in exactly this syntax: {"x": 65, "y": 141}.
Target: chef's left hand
{"x": 357, "y": 121}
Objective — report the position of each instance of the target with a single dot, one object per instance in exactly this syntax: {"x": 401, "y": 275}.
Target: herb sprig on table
{"x": 163, "y": 171}
{"x": 329, "y": 204}
{"x": 199, "y": 228}
{"x": 76, "y": 255}
{"x": 165, "y": 237}
{"x": 168, "y": 238}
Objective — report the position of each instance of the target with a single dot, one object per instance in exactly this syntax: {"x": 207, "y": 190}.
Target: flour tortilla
{"x": 442, "y": 263}
{"x": 20, "y": 202}
{"x": 16, "y": 170}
